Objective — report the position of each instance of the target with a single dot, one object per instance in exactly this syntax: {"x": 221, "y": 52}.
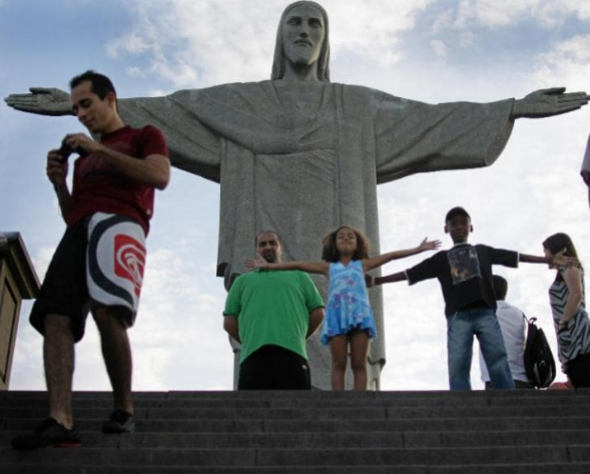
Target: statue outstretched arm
{"x": 42, "y": 101}
{"x": 415, "y": 137}
{"x": 548, "y": 102}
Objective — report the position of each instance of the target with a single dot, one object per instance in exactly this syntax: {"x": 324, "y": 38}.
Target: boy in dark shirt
{"x": 465, "y": 276}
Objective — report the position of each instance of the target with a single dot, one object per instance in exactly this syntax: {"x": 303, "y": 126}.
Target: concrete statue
{"x": 302, "y": 155}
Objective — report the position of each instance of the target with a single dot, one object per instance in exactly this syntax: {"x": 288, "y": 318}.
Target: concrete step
{"x": 464, "y": 424}
{"x": 274, "y": 396}
{"x": 295, "y": 457}
{"x": 323, "y": 440}
{"x": 546, "y": 468}
{"x": 381, "y": 402}
{"x": 351, "y": 413}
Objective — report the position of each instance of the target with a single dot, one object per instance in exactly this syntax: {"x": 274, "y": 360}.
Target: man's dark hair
{"x": 101, "y": 84}
{"x": 500, "y": 287}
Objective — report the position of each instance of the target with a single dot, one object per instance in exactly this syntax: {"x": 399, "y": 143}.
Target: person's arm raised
{"x": 309, "y": 267}
{"x": 558, "y": 260}
{"x": 393, "y": 278}
{"x": 374, "y": 262}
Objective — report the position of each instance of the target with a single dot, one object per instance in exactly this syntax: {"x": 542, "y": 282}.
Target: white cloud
{"x": 135, "y": 71}
{"x": 42, "y": 259}
{"x": 467, "y": 39}
{"x": 568, "y": 63}
{"x": 502, "y": 13}
{"x": 439, "y": 47}
{"x": 130, "y": 44}
{"x": 443, "y": 22}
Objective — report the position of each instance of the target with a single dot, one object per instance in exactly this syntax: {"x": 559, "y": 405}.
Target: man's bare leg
{"x": 58, "y": 359}
{"x": 116, "y": 351}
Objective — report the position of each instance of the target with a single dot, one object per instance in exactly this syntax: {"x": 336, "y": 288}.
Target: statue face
{"x": 303, "y": 35}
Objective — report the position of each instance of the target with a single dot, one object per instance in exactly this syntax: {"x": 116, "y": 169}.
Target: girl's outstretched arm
{"x": 309, "y": 267}
{"x": 374, "y": 262}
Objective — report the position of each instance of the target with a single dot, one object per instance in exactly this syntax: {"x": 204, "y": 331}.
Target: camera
{"x": 66, "y": 150}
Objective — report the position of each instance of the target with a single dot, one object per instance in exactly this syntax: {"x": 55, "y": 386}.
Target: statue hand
{"x": 548, "y": 102}
{"x": 42, "y": 101}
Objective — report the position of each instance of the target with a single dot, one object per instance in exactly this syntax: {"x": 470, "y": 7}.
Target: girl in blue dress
{"x": 349, "y": 318}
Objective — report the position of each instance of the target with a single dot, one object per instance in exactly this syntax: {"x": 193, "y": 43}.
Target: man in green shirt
{"x": 272, "y": 313}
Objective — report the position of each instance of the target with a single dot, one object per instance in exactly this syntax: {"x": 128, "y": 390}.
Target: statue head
{"x": 280, "y": 56}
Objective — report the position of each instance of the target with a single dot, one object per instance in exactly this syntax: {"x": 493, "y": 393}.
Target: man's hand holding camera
{"x": 57, "y": 168}
{"x": 57, "y": 165}
{"x": 57, "y": 160}
{"x": 77, "y": 143}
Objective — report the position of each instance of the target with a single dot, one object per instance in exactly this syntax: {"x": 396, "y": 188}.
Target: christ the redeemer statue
{"x": 301, "y": 155}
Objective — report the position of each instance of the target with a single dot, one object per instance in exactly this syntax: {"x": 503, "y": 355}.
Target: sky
{"x": 428, "y": 50}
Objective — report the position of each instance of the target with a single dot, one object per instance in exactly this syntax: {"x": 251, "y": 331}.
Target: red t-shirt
{"x": 99, "y": 187}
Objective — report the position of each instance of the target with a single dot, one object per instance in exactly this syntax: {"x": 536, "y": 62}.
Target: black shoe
{"x": 119, "y": 422}
{"x": 48, "y": 433}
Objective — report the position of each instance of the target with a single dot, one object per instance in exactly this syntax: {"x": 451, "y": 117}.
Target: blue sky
{"x": 434, "y": 51}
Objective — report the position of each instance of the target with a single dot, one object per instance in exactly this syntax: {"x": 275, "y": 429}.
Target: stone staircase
{"x": 329, "y": 432}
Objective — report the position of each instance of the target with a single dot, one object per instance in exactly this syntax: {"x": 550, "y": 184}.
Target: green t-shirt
{"x": 272, "y": 307}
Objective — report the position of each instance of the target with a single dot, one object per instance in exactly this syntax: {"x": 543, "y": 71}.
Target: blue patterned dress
{"x": 348, "y": 305}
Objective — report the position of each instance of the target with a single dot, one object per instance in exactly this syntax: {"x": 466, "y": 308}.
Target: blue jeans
{"x": 461, "y": 327}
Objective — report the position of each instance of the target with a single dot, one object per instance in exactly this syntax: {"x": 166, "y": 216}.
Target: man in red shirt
{"x": 98, "y": 265}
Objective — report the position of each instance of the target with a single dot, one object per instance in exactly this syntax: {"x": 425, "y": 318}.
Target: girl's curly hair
{"x": 330, "y": 252}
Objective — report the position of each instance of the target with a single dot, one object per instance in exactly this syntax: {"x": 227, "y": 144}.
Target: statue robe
{"x": 305, "y": 179}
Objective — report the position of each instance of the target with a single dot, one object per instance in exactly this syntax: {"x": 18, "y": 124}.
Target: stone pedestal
{"x": 18, "y": 281}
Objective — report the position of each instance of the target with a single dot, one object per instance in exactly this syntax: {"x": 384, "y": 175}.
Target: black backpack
{"x": 538, "y": 358}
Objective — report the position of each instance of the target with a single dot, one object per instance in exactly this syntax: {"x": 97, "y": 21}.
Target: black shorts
{"x": 274, "y": 368}
{"x": 64, "y": 291}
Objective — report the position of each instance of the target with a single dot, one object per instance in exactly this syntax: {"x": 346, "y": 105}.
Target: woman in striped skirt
{"x": 572, "y": 326}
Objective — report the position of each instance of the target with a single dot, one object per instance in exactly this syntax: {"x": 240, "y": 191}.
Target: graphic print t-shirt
{"x": 464, "y": 263}
{"x": 464, "y": 274}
